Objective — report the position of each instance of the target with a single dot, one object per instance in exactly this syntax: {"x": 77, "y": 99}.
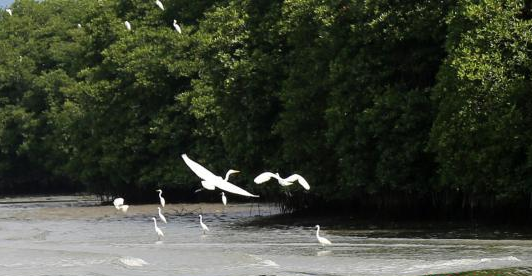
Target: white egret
{"x": 10, "y": 12}
{"x": 163, "y": 202}
{"x": 128, "y": 25}
{"x": 79, "y": 25}
{"x": 118, "y": 202}
{"x": 123, "y": 208}
{"x": 161, "y": 215}
{"x": 323, "y": 241}
{"x": 158, "y": 230}
{"x": 263, "y": 177}
{"x": 203, "y": 226}
{"x": 176, "y": 26}
{"x": 224, "y": 199}
{"x": 159, "y": 4}
{"x": 211, "y": 181}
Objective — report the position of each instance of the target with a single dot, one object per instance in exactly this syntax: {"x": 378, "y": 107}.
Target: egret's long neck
{"x": 227, "y": 175}
{"x": 160, "y": 193}
{"x": 318, "y": 232}
{"x": 200, "y": 219}
{"x": 155, "y": 223}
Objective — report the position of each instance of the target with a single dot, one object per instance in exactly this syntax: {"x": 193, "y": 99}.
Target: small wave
{"x": 269, "y": 263}
{"x": 133, "y": 262}
{"x": 461, "y": 263}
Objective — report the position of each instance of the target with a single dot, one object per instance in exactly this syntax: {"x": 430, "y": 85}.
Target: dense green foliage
{"x": 379, "y": 104}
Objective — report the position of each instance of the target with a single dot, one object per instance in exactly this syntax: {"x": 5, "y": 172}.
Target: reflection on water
{"x": 65, "y": 236}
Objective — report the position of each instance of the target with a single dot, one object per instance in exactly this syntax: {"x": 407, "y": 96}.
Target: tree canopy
{"x": 378, "y": 104}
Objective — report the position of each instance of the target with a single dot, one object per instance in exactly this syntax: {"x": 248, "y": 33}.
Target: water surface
{"x": 71, "y": 236}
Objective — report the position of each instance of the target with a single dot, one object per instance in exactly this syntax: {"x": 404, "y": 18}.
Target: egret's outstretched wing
{"x": 263, "y": 177}
{"x": 300, "y": 179}
{"x": 159, "y": 4}
{"x": 118, "y": 202}
{"x": 208, "y": 185}
{"x": 231, "y": 188}
{"x": 198, "y": 169}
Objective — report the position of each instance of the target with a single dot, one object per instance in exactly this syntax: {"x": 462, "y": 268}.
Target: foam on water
{"x": 133, "y": 262}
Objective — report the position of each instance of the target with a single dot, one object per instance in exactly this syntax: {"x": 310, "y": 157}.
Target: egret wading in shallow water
{"x": 158, "y": 230}
{"x": 161, "y": 215}
{"x": 176, "y": 26}
{"x": 224, "y": 199}
{"x": 159, "y": 4}
{"x": 119, "y": 204}
{"x": 128, "y": 25}
{"x": 263, "y": 177}
{"x": 163, "y": 202}
{"x": 211, "y": 181}
{"x": 10, "y": 12}
{"x": 203, "y": 226}
{"x": 323, "y": 241}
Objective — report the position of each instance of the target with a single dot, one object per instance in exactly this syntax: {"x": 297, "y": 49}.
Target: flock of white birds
{"x": 210, "y": 181}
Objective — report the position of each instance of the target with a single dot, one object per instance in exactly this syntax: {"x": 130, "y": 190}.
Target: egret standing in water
{"x": 323, "y": 241}
{"x": 161, "y": 198}
{"x": 203, "y": 226}
{"x": 159, "y": 4}
{"x": 161, "y": 215}
{"x": 224, "y": 199}
{"x": 211, "y": 181}
{"x": 176, "y": 26}
{"x": 128, "y": 25}
{"x": 158, "y": 230}
{"x": 10, "y": 12}
{"x": 263, "y": 177}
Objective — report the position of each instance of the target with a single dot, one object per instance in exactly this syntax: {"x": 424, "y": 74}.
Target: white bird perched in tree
{"x": 224, "y": 199}
{"x": 79, "y": 25}
{"x": 128, "y": 25}
{"x": 119, "y": 204}
{"x": 159, "y": 4}
{"x": 161, "y": 199}
{"x": 323, "y": 241}
{"x": 161, "y": 215}
{"x": 263, "y": 177}
{"x": 203, "y": 226}
{"x": 176, "y": 26}
{"x": 10, "y": 12}
{"x": 158, "y": 230}
{"x": 211, "y": 181}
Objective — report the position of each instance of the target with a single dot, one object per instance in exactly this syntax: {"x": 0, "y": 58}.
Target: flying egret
{"x": 323, "y": 241}
{"x": 224, "y": 199}
{"x": 263, "y": 177}
{"x": 176, "y": 26}
{"x": 128, "y": 25}
{"x": 160, "y": 233}
{"x": 211, "y": 181}
{"x": 10, "y": 12}
{"x": 159, "y": 4}
{"x": 161, "y": 215}
{"x": 160, "y": 197}
{"x": 203, "y": 226}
